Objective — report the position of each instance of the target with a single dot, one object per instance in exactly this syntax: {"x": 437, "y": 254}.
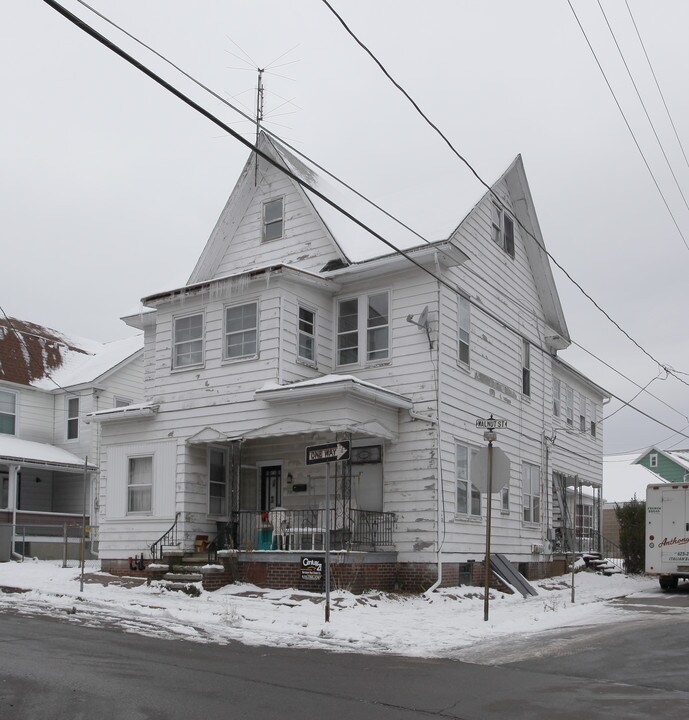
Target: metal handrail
{"x": 169, "y": 537}
{"x": 225, "y": 539}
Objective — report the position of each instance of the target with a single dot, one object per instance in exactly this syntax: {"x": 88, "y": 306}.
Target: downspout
{"x": 440, "y": 493}
{"x": 279, "y": 363}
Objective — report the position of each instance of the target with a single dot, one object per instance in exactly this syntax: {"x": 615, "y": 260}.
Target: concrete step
{"x": 183, "y": 577}
{"x": 185, "y": 569}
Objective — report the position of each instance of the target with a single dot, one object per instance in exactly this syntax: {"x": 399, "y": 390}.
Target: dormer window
{"x": 273, "y": 219}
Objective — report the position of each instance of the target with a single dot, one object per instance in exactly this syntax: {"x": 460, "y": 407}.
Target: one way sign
{"x": 329, "y": 452}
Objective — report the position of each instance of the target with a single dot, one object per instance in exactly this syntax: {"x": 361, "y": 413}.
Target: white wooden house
{"x": 48, "y": 383}
{"x": 285, "y": 338}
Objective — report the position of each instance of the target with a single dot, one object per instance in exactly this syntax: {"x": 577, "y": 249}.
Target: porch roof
{"x": 14, "y": 451}
{"x": 329, "y": 385}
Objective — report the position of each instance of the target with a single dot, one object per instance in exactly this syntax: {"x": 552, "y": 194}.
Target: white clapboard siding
{"x": 34, "y": 413}
{"x": 164, "y": 477}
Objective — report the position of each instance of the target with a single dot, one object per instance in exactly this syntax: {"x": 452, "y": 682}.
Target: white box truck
{"x": 667, "y": 532}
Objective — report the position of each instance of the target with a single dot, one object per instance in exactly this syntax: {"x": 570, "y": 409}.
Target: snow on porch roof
{"x": 14, "y": 451}
{"x": 329, "y": 384}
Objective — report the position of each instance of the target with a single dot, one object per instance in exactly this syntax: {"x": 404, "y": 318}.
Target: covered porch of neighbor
{"x": 45, "y": 496}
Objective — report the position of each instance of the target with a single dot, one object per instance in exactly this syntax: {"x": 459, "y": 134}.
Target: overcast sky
{"x": 110, "y": 186}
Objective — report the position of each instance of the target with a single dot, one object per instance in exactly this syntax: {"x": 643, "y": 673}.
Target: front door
{"x": 271, "y": 487}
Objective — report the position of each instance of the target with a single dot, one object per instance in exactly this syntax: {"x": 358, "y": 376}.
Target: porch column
{"x": 12, "y": 480}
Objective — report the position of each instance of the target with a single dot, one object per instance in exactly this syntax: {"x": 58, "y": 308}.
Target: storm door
{"x": 271, "y": 487}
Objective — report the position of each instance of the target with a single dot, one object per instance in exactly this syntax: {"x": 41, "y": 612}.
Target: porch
{"x": 44, "y": 498}
{"x": 300, "y": 529}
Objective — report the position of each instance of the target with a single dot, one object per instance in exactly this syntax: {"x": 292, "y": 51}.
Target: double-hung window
{"x": 140, "y": 485}
{"x": 72, "y": 418}
{"x": 363, "y": 329}
{"x": 307, "y": 335}
{"x": 241, "y": 331}
{"x": 569, "y": 406}
{"x": 531, "y": 492}
{"x": 217, "y": 481}
{"x": 464, "y": 330}
{"x": 557, "y": 389}
{"x": 8, "y": 412}
{"x": 526, "y": 367}
{"x": 502, "y": 229}
{"x": 468, "y": 496}
{"x": 273, "y": 219}
{"x": 582, "y": 413}
{"x": 594, "y": 417}
{"x": 187, "y": 341}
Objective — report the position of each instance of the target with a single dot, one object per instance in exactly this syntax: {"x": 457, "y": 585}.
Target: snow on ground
{"x": 445, "y": 625}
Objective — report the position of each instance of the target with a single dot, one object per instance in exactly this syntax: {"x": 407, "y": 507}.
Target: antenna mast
{"x": 259, "y": 115}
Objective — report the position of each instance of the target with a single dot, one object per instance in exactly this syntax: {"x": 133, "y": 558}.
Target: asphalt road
{"x": 55, "y": 669}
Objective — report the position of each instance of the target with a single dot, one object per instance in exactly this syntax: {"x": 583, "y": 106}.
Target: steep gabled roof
{"x": 46, "y": 359}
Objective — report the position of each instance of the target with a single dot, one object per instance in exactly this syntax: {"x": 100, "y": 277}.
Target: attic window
{"x": 273, "y": 220}
{"x": 502, "y": 230}
{"x": 653, "y": 460}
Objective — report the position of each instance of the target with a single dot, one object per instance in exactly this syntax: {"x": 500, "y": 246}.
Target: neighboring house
{"x": 48, "y": 383}
{"x": 286, "y": 336}
{"x": 669, "y": 465}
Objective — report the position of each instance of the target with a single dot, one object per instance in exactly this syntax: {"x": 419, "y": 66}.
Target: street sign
{"x": 478, "y": 471}
{"x": 491, "y": 424}
{"x": 328, "y": 452}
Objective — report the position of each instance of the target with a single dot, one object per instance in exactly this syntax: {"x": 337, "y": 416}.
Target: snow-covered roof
{"x": 46, "y": 359}
{"x": 622, "y": 479}
{"x": 340, "y": 383}
{"x": 681, "y": 457}
{"x": 28, "y": 453}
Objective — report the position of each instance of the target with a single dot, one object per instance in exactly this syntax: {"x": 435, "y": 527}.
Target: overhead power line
{"x": 629, "y": 127}
{"x": 643, "y": 105}
{"x": 655, "y": 77}
{"x": 177, "y": 93}
{"x": 493, "y": 194}
{"x": 339, "y": 180}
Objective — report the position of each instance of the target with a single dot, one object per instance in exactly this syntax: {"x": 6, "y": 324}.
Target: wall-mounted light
{"x": 289, "y": 478}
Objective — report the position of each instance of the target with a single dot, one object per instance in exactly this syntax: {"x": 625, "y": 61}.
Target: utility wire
{"x": 629, "y": 127}
{"x": 490, "y": 190}
{"x": 342, "y": 182}
{"x": 643, "y": 105}
{"x": 177, "y": 93}
{"x": 650, "y": 65}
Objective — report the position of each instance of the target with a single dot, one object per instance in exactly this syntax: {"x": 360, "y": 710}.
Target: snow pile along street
{"x": 444, "y": 625}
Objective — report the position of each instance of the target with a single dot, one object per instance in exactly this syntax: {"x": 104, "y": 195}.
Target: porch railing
{"x": 304, "y": 529}
{"x": 167, "y": 539}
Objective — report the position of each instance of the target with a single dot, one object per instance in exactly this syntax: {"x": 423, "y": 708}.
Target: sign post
{"x": 316, "y": 455}
{"x": 490, "y": 436}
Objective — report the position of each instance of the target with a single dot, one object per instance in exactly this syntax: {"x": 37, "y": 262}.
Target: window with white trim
{"x": 582, "y": 413}
{"x": 505, "y": 499}
{"x": 140, "y": 484}
{"x": 531, "y": 493}
{"x": 306, "y": 347}
{"x": 569, "y": 405}
{"x": 8, "y": 412}
{"x": 526, "y": 367}
{"x": 273, "y": 219}
{"x": 217, "y": 481}
{"x": 241, "y": 331}
{"x": 464, "y": 330}
{"x": 72, "y": 418}
{"x": 594, "y": 418}
{"x": 468, "y": 496}
{"x": 121, "y": 402}
{"x": 653, "y": 460}
{"x": 502, "y": 229}
{"x": 363, "y": 329}
{"x": 557, "y": 390}
{"x": 187, "y": 341}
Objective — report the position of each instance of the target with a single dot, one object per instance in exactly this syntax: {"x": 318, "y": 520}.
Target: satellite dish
{"x": 423, "y": 318}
